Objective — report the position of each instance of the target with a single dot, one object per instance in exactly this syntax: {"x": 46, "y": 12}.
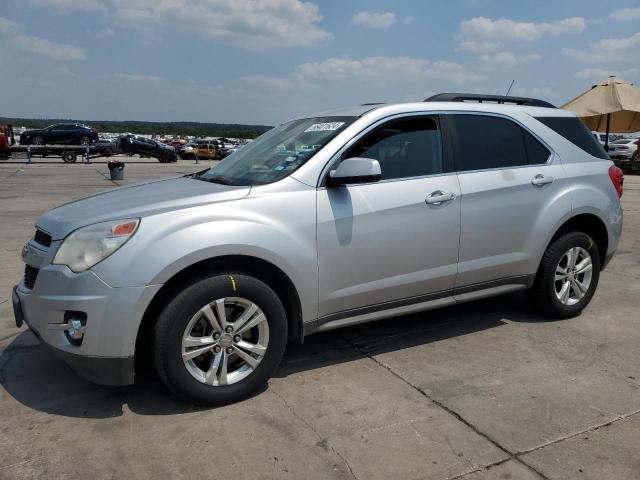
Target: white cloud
{"x": 253, "y": 24}
{"x": 70, "y": 4}
{"x": 500, "y": 59}
{"x": 136, "y": 78}
{"x": 597, "y": 74}
{"x": 477, "y": 47}
{"x": 374, "y": 19}
{"x": 486, "y": 29}
{"x": 381, "y": 70}
{"x": 409, "y": 20}
{"x": 535, "y": 92}
{"x": 7, "y": 27}
{"x": 39, "y": 46}
{"x": 506, "y": 59}
{"x": 49, "y": 49}
{"x": 608, "y": 50}
{"x": 626, "y": 14}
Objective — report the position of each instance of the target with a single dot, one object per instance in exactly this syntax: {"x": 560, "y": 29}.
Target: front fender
{"x": 169, "y": 242}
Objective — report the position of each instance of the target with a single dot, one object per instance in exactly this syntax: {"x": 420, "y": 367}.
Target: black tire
{"x": 37, "y": 140}
{"x": 174, "y": 319}
{"x": 543, "y": 293}
{"x": 69, "y": 157}
{"x": 84, "y": 141}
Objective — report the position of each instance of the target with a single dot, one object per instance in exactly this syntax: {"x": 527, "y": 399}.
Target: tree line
{"x": 195, "y": 129}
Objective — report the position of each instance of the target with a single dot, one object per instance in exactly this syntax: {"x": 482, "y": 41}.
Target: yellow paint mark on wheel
{"x": 590, "y": 243}
{"x": 233, "y": 283}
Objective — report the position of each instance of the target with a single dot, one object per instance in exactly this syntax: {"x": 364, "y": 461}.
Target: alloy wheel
{"x": 225, "y": 341}
{"x": 573, "y": 276}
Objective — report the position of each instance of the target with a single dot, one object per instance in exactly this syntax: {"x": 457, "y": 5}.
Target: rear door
{"x": 381, "y": 245}
{"x": 507, "y": 177}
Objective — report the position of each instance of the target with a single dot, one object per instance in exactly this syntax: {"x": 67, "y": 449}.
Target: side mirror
{"x": 355, "y": 170}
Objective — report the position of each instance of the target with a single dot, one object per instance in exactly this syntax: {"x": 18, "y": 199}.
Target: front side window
{"x": 277, "y": 153}
{"x": 409, "y": 147}
{"x": 483, "y": 142}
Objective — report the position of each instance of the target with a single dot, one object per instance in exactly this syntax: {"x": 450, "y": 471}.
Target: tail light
{"x": 617, "y": 178}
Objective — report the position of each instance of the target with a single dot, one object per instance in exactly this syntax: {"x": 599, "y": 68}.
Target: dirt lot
{"x": 477, "y": 391}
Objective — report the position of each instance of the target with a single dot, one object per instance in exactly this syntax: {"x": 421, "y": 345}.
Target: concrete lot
{"x": 478, "y": 391}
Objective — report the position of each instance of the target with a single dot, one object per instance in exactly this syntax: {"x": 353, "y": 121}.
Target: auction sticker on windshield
{"x": 323, "y": 127}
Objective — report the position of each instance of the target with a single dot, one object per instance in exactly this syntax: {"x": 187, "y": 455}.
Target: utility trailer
{"x": 68, "y": 153}
{"x": 126, "y": 144}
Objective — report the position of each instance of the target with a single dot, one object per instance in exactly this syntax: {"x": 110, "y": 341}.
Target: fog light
{"x": 73, "y": 327}
{"x": 76, "y": 330}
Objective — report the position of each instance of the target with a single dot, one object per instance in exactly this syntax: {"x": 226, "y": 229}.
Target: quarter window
{"x": 536, "y": 152}
{"x": 576, "y": 132}
{"x": 409, "y": 147}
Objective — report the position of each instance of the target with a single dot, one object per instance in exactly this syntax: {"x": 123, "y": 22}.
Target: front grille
{"x": 42, "y": 238}
{"x": 30, "y": 275}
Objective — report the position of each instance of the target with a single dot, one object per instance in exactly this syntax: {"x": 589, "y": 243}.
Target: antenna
{"x": 509, "y": 89}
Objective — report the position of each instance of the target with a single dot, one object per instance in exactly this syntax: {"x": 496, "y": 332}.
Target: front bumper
{"x": 113, "y": 316}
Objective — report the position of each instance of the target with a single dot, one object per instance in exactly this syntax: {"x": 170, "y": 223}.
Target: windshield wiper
{"x": 218, "y": 179}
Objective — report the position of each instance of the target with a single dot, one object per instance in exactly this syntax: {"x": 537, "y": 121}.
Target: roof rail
{"x": 475, "y": 97}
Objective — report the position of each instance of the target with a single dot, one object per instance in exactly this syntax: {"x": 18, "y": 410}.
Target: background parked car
{"x": 60, "y": 134}
{"x": 624, "y": 149}
{"x": 202, "y": 151}
{"x": 146, "y": 147}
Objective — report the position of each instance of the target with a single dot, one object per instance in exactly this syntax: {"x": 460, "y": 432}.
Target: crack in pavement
{"x": 323, "y": 441}
{"x": 516, "y": 456}
{"x": 12, "y": 335}
{"x": 456, "y": 415}
{"x": 593, "y": 428}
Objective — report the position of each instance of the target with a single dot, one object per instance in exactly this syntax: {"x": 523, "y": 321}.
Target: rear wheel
{"x": 220, "y": 339}
{"x": 567, "y": 277}
{"x": 69, "y": 157}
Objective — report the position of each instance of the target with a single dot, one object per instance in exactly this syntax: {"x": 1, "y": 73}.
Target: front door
{"x": 382, "y": 242}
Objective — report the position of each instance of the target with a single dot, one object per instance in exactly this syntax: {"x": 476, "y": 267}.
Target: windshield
{"x": 277, "y": 153}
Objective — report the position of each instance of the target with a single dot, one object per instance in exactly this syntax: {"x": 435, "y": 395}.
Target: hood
{"x": 136, "y": 201}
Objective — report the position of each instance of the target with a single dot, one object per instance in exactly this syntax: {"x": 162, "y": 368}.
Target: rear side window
{"x": 576, "y": 132}
{"x": 482, "y": 142}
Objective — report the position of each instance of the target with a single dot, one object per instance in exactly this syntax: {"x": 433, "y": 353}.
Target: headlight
{"x": 85, "y": 247}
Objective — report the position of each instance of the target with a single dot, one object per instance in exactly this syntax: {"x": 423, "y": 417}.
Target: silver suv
{"x": 343, "y": 218}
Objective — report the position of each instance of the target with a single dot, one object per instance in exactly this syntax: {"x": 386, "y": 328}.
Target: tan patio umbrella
{"x": 612, "y": 105}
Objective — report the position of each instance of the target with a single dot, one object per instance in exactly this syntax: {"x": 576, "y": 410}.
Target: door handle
{"x": 438, "y": 197}
{"x": 541, "y": 180}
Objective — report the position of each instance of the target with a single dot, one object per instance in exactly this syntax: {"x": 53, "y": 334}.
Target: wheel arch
{"x": 590, "y": 224}
{"x": 256, "y": 267}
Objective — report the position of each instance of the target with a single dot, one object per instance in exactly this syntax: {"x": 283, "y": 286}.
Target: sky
{"x": 267, "y": 61}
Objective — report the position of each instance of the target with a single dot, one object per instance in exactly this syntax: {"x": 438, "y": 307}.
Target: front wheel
{"x": 84, "y": 141}
{"x": 220, "y": 339}
{"x": 567, "y": 277}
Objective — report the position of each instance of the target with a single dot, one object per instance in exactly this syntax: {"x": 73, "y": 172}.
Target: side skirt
{"x": 419, "y": 303}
